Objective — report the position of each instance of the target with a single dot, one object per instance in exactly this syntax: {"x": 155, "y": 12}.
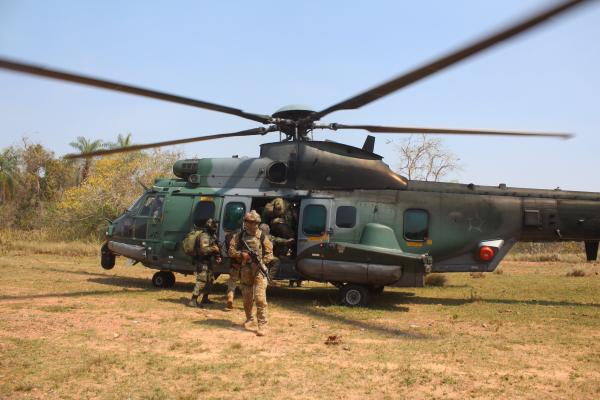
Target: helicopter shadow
{"x": 322, "y": 304}
{"x": 460, "y": 302}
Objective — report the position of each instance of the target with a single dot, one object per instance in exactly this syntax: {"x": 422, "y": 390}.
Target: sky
{"x": 262, "y": 55}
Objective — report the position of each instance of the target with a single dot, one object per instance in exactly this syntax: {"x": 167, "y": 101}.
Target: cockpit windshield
{"x": 135, "y": 205}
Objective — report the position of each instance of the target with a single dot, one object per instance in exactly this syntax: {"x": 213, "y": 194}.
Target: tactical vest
{"x": 240, "y": 246}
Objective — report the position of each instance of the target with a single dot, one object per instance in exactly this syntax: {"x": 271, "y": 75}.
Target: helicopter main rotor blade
{"x": 136, "y": 147}
{"x": 38, "y": 70}
{"x": 443, "y": 131}
{"x": 439, "y": 64}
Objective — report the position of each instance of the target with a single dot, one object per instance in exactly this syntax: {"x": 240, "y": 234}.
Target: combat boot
{"x": 193, "y": 302}
{"x": 229, "y": 305}
{"x": 249, "y": 324}
{"x": 262, "y": 330}
{"x": 205, "y": 300}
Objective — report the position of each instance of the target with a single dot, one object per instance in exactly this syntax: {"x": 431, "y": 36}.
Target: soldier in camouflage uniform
{"x": 281, "y": 217}
{"x": 254, "y": 284}
{"x": 282, "y": 220}
{"x": 207, "y": 247}
{"x": 280, "y": 246}
{"x": 234, "y": 277}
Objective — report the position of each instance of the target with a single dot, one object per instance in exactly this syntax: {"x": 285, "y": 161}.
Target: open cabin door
{"x": 314, "y": 227}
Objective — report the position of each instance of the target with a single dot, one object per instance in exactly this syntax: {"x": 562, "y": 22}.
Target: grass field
{"x": 69, "y": 329}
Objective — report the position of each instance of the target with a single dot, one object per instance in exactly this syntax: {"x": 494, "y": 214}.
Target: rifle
{"x": 261, "y": 266}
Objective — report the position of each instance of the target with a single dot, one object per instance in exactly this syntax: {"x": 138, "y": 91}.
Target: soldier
{"x": 280, "y": 246}
{"x": 234, "y": 277}
{"x": 207, "y": 246}
{"x": 282, "y": 219}
{"x": 254, "y": 284}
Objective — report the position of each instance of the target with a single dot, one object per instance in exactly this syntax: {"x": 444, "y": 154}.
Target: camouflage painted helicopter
{"x": 361, "y": 226}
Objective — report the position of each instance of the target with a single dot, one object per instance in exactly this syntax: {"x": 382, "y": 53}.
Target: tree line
{"x": 72, "y": 199}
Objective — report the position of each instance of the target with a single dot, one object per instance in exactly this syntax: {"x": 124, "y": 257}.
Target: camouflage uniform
{"x": 279, "y": 249}
{"x": 234, "y": 277}
{"x": 207, "y": 247}
{"x": 281, "y": 217}
{"x": 254, "y": 284}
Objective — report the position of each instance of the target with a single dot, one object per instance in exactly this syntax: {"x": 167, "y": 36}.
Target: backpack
{"x": 190, "y": 241}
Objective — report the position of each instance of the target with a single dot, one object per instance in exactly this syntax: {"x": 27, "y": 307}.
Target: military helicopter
{"x": 360, "y": 225}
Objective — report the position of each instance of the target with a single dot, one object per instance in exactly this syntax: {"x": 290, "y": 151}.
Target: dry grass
{"x": 576, "y": 272}
{"x": 35, "y": 242}
{"x": 548, "y": 252}
{"x": 436, "y": 280}
{"x": 71, "y": 330}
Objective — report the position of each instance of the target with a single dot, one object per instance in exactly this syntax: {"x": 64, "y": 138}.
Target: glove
{"x": 246, "y": 257}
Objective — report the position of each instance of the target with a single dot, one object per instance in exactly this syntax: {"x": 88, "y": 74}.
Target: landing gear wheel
{"x": 376, "y": 290}
{"x": 163, "y": 279}
{"x": 107, "y": 258}
{"x": 170, "y": 279}
{"x": 354, "y": 295}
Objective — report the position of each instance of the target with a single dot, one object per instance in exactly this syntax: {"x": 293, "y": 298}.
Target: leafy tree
{"x": 42, "y": 179}
{"x": 112, "y": 185}
{"x": 8, "y": 173}
{"x": 84, "y": 145}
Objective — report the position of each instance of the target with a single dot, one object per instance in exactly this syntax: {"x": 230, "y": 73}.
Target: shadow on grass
{"x": 219, "y": 323}
{"x": 460, "y": 302}
{"x": 64, "y": 294}
{"x": 66, "y": 271}
{"x": 323, "y": 304}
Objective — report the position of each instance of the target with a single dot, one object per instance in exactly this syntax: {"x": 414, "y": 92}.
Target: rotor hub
{"x": 293, "y": 112}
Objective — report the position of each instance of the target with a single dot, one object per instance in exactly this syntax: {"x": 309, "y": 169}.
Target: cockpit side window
{"x": 152, "y": 207}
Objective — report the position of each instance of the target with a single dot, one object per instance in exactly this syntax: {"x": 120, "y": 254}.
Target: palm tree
{"x": 8, "y": 172}
{"x": 122, "y": 141}
{"x": 85, "y": 145}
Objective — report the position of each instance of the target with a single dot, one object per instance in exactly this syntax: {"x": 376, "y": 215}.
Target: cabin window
{"x": 314, "y": 220}
{"x": 234, "y": 215}
{"x": 152, "y": 207}
{"x": 204, "y": 210}
{"x": 345, "y": 217}
{"x": 416, "y": 225}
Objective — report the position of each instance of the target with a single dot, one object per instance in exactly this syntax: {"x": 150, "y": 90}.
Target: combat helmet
{"x": 252, "y": 216}
{"x": 211, "y": 224}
